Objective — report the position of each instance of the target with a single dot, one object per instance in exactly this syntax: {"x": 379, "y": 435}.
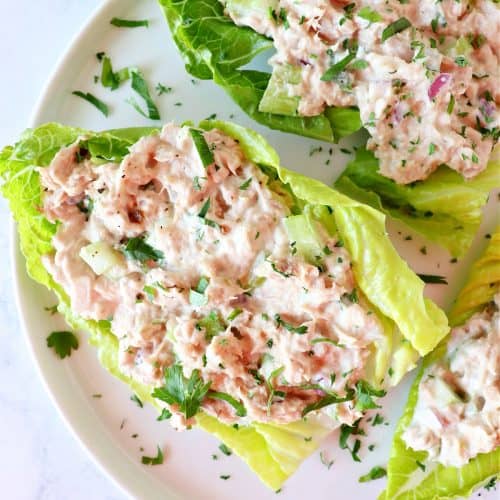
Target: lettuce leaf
{"x": 213, "y": 47}
{"x": 404, "y": 478}
{"x": 444, "y": 208}
{"x": 272, "y": 451}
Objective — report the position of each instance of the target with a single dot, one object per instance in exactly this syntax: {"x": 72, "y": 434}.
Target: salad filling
{"x": 424, "y": 74}
{"x": 457, "y": 415}
{"x": 188, "y": 248}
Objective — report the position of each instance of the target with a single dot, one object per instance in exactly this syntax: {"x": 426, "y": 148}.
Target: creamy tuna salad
{"x": 425, "y": 75}
{"x": 458, "y": 411}
{"x": 184, "y": 247}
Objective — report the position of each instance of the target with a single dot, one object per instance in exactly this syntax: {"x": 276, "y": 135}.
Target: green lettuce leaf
{"x": 405, "y": 480}
{"x": 272, "y": 451}
{"x": 444, "y": 208}
{"x": 215, "y": 48}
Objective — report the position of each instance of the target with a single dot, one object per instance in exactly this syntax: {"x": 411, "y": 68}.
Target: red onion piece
{"x": 438, "y": 84}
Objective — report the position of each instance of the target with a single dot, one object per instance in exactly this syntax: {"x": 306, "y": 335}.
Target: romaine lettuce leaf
{"x": 272, "y": 451}
{"x": 213, "y": 47}
{"x": 405, "y": 480}
{"x": 444, "y": 208}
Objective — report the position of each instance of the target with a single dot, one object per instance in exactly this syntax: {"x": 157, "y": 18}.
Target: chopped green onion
{"x": 87, "y": 96}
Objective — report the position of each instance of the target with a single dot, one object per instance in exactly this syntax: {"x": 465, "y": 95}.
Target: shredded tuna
{"x": 263, "y": 303}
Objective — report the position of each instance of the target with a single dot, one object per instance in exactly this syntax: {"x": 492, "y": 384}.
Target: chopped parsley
{"x": 62, "y": 343}
{"x": 369, "y": 14}
{"x": 288, "y": 326}
{"x": 433, "y": 278}
{"x": 158, "y": 460}
{"x": 205, "y": 153}
{"x": 420, "y": 465}
{"x": 245, "y": 185}
{"x": 395, "y": 27}
{"x": 212, "y": 324}
{"x": 237, "y": 405}
{"x": 137, "y": 249}
{"x": 162, "y": 89}
{"x": 188, "y": 394}
{"x": 377, "y": 420}
{"x": 329, "y": 399}
{"x": 129, "y": 23}
{"x": 364, "y": 394}
{"x": 345, "y": 432}
{"x": 327, "y": 463}
{"x": 164, "y": 415}
{"x": 225, "y": 449}
{"x": 87, "y": 96}
{"x": 225, "y": 477}
{"x": 141, "y": 87}
{"x": 136, "y": 400}
{"x": 375, "y": 473}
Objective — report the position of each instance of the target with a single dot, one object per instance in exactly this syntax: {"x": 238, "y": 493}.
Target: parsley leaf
{"x": 137, "y": 249}
{"x": 158, "y": 460}
{"x": 141, "y": 87}
{"x": 62, "y": 342}
{"x": 226, "y": 450}
{"x": 288, "y": 326}
{"x": 369, "y": 14}
{"x": 364, "y": 393}
{"x": 164, "y": 415}
{"x": 87, "y": 96}
{"x": 212, "y": 324}
{"x": 375, "y": 473}
{"x": 205, "y": 153}
{"x": 433, "y": 278}
{"x": 237, "y": 405}
{"x": 129, "y": 23}
{"x": 330, "y": 399}
{"x": 188, "y": 394}
{"x": 345, "y": 432}
{"x": 136, "y": 400}
{"x": 396, "y": 27}
{"x": 109, "y": 78}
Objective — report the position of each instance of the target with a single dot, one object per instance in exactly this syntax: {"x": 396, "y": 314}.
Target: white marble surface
{"x": 39, "y": 458}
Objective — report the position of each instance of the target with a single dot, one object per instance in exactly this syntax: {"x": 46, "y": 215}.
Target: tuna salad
{"x": 185, "y": 248}
{"x": 425, "y": 75}
{"x": 457, "y": 415}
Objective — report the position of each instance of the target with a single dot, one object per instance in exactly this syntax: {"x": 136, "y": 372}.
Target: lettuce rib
{"x": 274, "y": 452}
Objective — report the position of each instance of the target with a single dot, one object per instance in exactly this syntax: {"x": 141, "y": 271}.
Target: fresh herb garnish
{"x": 491, "y": 484}
{"x": 329, "y": 399}
{"x": 234, "y": 314}
{"x": 197, "y": 295}
{"x": 204, "y": 209}
{"x": 137, "y": 249}
{"x": 225, "y": 477}
{"x": 288, "y": 326}
{"x": 164, "y": 415}
{"x": 141, "y": 87}
{"x": 212, "y": 324}
{"x": 52, "y": 309}
{"x": 375, "y": 473}
{"x": 270, "y": 386}
{"x": 109, "y": 78}
{"x": 396, "y": 27}
{"x": 237, "y": 405}
{"x": 62, "y": 343}
{"x": 87, "y": 96}
{"x": 204, "y": 151}
{"x": 158, "y": 460}
{"x": 433, "y": 278}
{"x": 162, "y": 89}
{"x": 245, "y": 185}
{"x": 276, "y": 270}
{"x": 129, "y": 23}
{"x": 377, "y": 420}
{"x": 369, "y": 14}
{"x": 364, "y": 394}
{"x": 420, "y": 465}
{"x": 345, "y": 432}
{"x": 319, "y": 340}
{"x": 225, "y": 449}
{"x": 136, "y": 400}
{"x": 188, "y": 394}
{"x": 337, "y": 68}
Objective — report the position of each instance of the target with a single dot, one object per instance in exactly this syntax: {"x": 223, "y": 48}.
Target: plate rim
{"x": 77, "y": 430}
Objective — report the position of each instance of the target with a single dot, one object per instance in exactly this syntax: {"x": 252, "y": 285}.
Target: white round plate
{"x": 113, "y": 428}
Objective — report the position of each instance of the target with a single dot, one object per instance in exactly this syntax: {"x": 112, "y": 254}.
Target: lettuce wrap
{"x": 406, "y": 478}
{"x": 413, "y": 325}
{"x": 445, "y": 208}
{"x": 214, "y": 48}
